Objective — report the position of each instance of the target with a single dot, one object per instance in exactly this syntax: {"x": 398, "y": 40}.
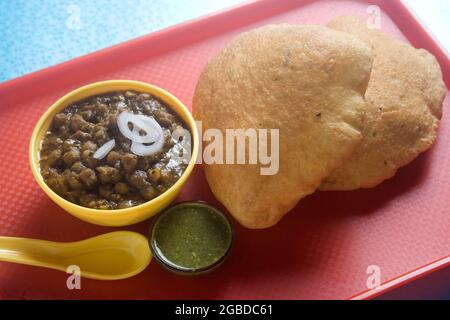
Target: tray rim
{"x": 403, "y": 279}
{"x": 407, "y": 22}
{"x": 405, "y": 19}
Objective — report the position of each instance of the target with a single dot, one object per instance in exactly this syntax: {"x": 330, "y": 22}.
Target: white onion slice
{"x": 143, "y": 150}
{"x": 149, "y": 121}
{"x": 104, "y": 149}
{"x": 147, "y": 124}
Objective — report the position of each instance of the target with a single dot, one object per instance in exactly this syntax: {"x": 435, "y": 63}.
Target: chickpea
{"x": 154, "y": 175}
{"x": 121, "y": 188}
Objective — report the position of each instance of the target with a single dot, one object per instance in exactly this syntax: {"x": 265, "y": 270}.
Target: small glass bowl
{"x": 163, "y": 260}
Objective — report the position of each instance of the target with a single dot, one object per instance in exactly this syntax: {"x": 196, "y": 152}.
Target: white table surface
{"x": 435, "y": 14}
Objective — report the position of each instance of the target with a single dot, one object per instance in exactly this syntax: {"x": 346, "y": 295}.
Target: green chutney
{"x": 191, "y": 236}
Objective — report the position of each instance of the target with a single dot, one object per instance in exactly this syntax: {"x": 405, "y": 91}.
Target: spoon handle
{"x": 29, "y": 251}
{"x": 110, "y": 256}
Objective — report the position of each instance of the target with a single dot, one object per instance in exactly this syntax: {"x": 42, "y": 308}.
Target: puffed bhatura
{"x": 404, "y": 105}
{"x": 306, "y": 81}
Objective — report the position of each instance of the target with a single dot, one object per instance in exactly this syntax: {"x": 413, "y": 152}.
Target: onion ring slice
{"x": 149, "y": 125}
{"x": 104, "y": 149}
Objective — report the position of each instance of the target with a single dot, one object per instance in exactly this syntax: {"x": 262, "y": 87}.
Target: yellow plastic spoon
{"x": 111, "y": 256}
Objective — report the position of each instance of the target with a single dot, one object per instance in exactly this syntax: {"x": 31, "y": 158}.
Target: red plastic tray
{"x": 320, "y": 250}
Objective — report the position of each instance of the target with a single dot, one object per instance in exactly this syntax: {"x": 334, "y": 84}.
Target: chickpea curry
{"x": 115, "y": 150}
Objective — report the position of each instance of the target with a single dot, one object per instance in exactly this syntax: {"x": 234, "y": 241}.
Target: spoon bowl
{"x": 111, "y": 256}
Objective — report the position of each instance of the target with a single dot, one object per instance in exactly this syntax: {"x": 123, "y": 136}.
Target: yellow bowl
{"x": 120, "y": 217}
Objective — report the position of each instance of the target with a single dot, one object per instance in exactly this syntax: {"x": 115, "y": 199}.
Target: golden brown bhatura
{"x": 306, "y": 81}
{"x": 404, "y": 104}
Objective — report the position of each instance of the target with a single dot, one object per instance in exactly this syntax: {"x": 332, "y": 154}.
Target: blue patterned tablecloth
{"x": 35, "y": 34}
